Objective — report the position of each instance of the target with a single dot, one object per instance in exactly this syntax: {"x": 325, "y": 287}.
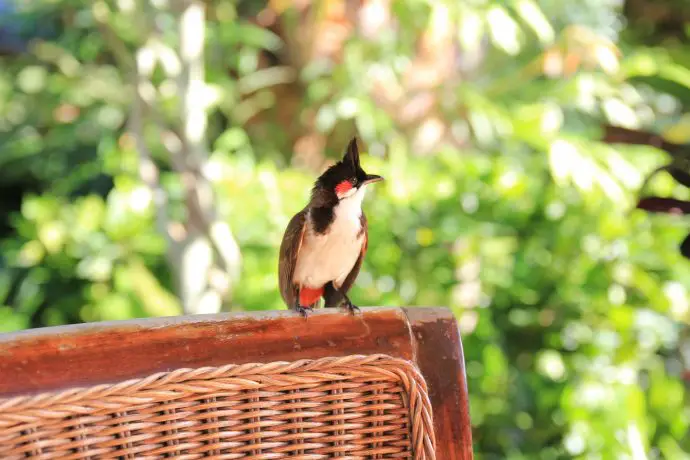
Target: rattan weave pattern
{"x": 354, "y": 407}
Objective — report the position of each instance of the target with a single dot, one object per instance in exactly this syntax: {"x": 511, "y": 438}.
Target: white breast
{"x": 330, "y": 257}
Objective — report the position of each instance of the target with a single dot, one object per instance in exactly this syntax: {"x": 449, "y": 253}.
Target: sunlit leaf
{"x": 679, "y": 132}
{"x": 563, "y": 157}
{"x": 470, "y": 29}
{"x": 505, "y": 32}
{"x": 619, "y": 113}
{"x": 32, "y": 79}
{"x": 532, "y": 14}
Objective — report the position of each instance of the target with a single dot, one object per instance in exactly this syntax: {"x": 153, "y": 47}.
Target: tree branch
{"x": 148, "y": 171}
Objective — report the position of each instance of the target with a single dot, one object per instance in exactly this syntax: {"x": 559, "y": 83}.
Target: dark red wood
{"x": 440, "y": 357}
{"x": 81, "y": 355}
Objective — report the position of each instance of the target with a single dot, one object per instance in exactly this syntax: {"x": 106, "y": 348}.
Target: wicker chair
{"x": 388, "y": 383}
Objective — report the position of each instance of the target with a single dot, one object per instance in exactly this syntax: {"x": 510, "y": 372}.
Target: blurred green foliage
{"x": 500, "y": 202}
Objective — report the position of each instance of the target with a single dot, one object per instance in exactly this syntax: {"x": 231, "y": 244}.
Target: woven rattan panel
{"x": 355, "y": 407}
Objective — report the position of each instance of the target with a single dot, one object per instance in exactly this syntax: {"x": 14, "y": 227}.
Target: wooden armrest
{"x": 54, "y": 359}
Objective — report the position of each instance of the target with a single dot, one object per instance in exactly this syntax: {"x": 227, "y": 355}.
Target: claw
{"x": 352, "y": 308}
{"x": 303, "y": 311}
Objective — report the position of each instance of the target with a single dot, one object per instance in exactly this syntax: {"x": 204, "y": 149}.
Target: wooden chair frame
{"x": 84, "y": 355}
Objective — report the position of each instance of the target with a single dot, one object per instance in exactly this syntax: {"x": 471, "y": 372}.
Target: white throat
{"x": 350, "y": 207}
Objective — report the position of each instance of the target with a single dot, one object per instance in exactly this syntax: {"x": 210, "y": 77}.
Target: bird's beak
{"x": 371, "y": 178}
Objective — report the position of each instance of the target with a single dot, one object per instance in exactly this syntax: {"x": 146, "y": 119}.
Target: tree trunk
{"x": 201, "y": 251}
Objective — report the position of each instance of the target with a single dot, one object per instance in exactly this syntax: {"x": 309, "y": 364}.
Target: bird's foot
{"x": 304, "y": 311}
{"x": 352, "y": 308}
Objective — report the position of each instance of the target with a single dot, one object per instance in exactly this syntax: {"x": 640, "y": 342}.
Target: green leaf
{"x": 505, "y": 32}
{"x": 532, "y": 14}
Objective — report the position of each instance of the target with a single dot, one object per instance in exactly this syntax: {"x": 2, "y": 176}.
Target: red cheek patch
{"x": 343, "y": 187}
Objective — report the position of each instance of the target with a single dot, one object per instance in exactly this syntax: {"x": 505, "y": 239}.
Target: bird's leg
{"x": 335, "y": 297}
{"x": 304, "y": 311}
{"x": 331, "y": 296}
{"x": 354, "y": 309}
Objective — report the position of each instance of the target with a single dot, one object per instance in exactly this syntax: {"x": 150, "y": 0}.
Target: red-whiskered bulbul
{"x": 324, "y": 244}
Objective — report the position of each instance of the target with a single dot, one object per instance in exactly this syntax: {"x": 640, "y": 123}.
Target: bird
{"x": 325, "y": 243}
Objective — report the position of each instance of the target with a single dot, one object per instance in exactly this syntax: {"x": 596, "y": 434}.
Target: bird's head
{"x": 344, "y": 180}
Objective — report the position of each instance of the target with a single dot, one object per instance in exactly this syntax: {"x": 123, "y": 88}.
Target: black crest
{"x": 352, "y": 155}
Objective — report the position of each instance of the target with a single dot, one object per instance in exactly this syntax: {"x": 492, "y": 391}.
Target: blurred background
{"x": 153, "y": 152}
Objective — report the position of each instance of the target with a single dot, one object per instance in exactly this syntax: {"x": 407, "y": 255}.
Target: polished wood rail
{"x": 416, "y": 344}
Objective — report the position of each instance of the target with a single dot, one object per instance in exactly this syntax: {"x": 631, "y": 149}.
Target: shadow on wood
{"x": 358, "y": 357}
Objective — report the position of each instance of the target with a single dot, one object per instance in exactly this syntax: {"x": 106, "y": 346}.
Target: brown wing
{"x": 289, "y": 250}
{"x": 352, "y": 276}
